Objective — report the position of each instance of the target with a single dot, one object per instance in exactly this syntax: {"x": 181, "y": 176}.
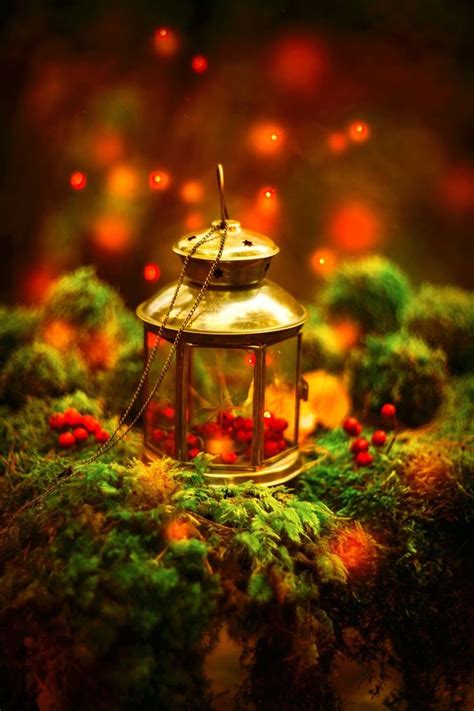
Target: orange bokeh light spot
{"x": 122, "y": 181}
{"x": 151, "y": 272}
{"x": 192, "y": 191}
{"x": 107, "y": 146}
{"x": 347, "y": 333}
{"x": 199, "y": 64}
{"x": 266, "y": 138}
{"x": 177, "y": 531}
{"x": 299, "y": 63}
{"x": 194, "y": 221}
{"x": 355, "y": 227}
{"x": 337, "y": 142}
{"x": 165, "y": 42}
{"x": 78, "y": 180}
{"x": 159, "y": 180}
{"x": 250, "y": 358}
{"x": 59, "y": 334}
{"x": 323, "y": 261}
{"x": 359, "y": 132}
{"x": 112, "y": 233}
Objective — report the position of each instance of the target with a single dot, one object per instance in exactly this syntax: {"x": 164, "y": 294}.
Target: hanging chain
{"x": 67, "y": 473}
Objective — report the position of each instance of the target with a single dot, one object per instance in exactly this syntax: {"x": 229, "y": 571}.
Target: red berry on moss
{"x": 66, "y": 440}
{"x": 364, "y": 459}
{"x": 80, "y": 434}
{"x": 72, "y": 417}
{"x": 193, "y": 452}
{"x": 359, "y": 445}
{"x": 90, "y": 423}
{"x": 102, "y": 436}
{"x": 388, "y": 410}
{"x": 379, "y": 438}
{"x": 228, "y": 457}
{"x": 352, "y": 426}
{"x": 57, "y": 421}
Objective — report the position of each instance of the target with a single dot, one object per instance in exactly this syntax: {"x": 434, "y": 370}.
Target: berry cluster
{"x": 75, "y": 428}
{"x": 228, "y": 437}
{"x": 360, "y": 445}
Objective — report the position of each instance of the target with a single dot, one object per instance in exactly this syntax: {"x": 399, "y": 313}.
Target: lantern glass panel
{"x": 281, "y": 371}
{"x": 160, "y": 413}
{"x": 221, "y": 395}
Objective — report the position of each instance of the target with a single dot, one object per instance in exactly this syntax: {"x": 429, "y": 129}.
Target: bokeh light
{"x": 107, "y": 146}
{"x": 151, "y": 272}
{"x": 36, "y": 284}
{"x": 299, "y": 63}
{"x": 359, "y": 132}
{"x": 78, "y": 180}
{"x": 355, "y": 227}
{"x": 457, "y": 188}
{"x": 199, "y": 64}
{"x": 194, "y": 221}
{"x": 337, "y": 142}
{"x": 123, "y": 181}
{"x": 323, "y": 261}
{"x": 112, "y": 233}
{"x": 159, "y": 180}
{"x": 191, "y": 191}
{"x": 267, "y": 138}
{"x": 165, "y": 42}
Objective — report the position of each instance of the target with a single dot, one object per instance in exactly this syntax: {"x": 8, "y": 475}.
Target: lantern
{"x": 233, "y": 385}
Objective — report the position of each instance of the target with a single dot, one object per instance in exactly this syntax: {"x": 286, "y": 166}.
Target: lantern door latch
{"x": 303, "y": 389}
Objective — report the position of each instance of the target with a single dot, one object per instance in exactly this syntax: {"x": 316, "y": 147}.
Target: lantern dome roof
{"x": 240, "y": 244}
{"x": 263, "y": 309}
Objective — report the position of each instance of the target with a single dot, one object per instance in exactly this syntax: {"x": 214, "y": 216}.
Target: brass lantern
{"x": 234, "y": 385}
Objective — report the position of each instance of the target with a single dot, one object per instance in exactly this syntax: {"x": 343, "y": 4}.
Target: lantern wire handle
{"x": 220, "y": 185}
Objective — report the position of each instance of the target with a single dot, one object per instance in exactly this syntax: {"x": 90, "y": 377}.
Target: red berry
{"x": 169, "y": 447}
{"x": 248, "y": 423}
{"x": 270, "y": 449}
{"x": 157, "y": 435}
{"x": 72, "y": 417}
{"x": 101, "y": 436}
{"x": 80, "y": 434}
{"x": 388, "y": 410}
{"x": 57, "y": 421}
{"x": 238, "y": 423}
{"x": 281, "y": 445}
{"x": 209, "y": 429}
{"x": 359, "y": 445}
{"x": 168, "y": 412}
{"x": 228, "y": 457}
{"x": 270, "y": 434}
{"x": 66, "y": 440}
{"x": 225, "y": 419}
{"x": 279, "y": 424}
{"x": 364, "y": 459}
{"x": 193, "y": 452}
{"x": 243, "y": 436}
{"x": 352, "y": 426}
{"x": 379, "y": 438}
{"x": 90, "y": 423}
{"x": 192, "y": 440}
{"x": 170, "y": 435}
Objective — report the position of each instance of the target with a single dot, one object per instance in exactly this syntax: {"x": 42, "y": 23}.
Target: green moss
{"x": 401, "y": 369}
{"x": 37, "y": 370}
{"x": 444, "y": 318}
{"x": 374, "y": 292}
{"x": 17, "y": 327}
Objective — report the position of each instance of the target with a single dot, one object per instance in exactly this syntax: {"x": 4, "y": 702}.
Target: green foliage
{"x": 401, "y": 369}
{"x": 320, "y": 348}
{"x": 36, "y": 370}
{"x": 444, "y": 318}
{"x": 17, "y": 327}
{"x": 374, "y": 292}
{"x": 81, "y": 299}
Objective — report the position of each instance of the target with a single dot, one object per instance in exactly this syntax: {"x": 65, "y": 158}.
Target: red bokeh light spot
{"x": 165, "y": 42}
{"x": 266, "y": 138}
{"x": 359, "y": 132}
{"x": 159, "y": 180}
{"x": 299, "y": 63}
{"x": 151, "y": 272}
{"x": 323, "y": 261}
{"x": 192, "y": 191}
{"x": 337, "y": 142}
{"x": 199, "y": 64}
{"x": 250, "y": 358}
{"x": 112, "y": 233}
{"x": 78, "y": 180}
{"x": 355, "y": 227}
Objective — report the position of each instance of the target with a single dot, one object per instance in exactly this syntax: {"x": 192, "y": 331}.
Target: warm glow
{"x": 165, "y": 42}
{"x": 159, "y": 180}
{"x": 59, "y": 334}
{"x": 346, "y": 333}
{"x": 177, "y": 531}
{"x": 107, "y": 147}
{"x": 457, "y": 188}
{"x": 112, "y": 233}
{"x": 251, "y": 358}
{"x": 151, "y": 339}
{"x": 323, "y": 261}
{"x": 36, "y": 284}
{"x": 78, "y": 180}
{"x": 199, "y": 64}
{"x": 267, "y": 414}
{"x": 192, "y": 191}
{"x": 337, "y": 142}
{"x": 194, "y": 221}
{"x": 355, "y": 227}
{"x": 299, "y": 64}
{"x": 122, "y": 181}
{"x": 266, "y": 138}
{"x": 359, "y": 132}
{"x": 356, "y": 548}
{"x": 151, "y": 272}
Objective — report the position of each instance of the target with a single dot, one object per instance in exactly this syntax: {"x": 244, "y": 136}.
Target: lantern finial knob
{"x": 220, "y": 184}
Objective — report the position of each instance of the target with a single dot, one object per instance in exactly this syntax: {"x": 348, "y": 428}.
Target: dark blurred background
{"x": 345, "y": 128}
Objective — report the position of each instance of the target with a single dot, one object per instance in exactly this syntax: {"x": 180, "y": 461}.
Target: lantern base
{"x": 279, "y": 472}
